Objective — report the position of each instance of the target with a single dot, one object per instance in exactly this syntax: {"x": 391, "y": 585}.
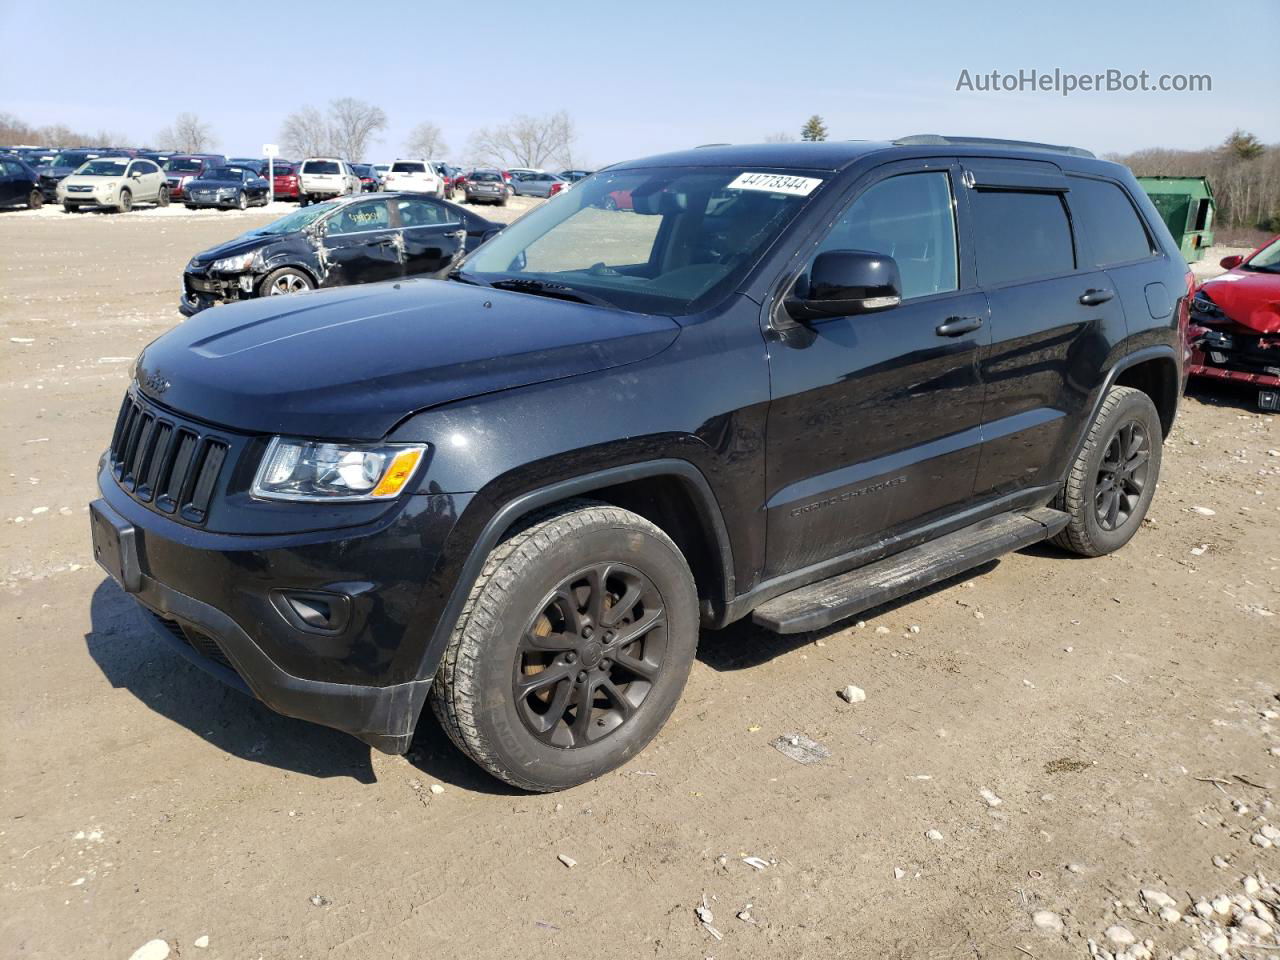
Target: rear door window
{"x": 417, "y": 212}
{"x": 1020, "y": 235}
{"x": 1106, "y": 214}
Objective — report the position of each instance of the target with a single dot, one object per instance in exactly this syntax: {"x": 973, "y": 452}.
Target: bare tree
{"x": 780, "y": 136}
{"x": 526, "y": 141}
{"x": 352, "y": 124}
{"x": 426, "y": 141}
{"x": 188, "y": 134}
{"x": 306, "y": 134}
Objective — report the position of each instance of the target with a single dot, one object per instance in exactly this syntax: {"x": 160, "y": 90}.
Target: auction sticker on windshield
{"x": 776, "y": 183}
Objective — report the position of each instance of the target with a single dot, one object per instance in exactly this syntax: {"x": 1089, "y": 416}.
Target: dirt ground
{"x": 1121, "y": 713}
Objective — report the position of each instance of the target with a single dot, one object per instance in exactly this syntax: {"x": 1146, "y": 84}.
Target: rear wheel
{"x": 1113, "y": 478}
{"x": 242, "y": 201}
{"x": 162, "y": 198}
{"x": 572, "y": 649}
{"x": 285, "y": 281}
{"x": 35, "y": 199}
{"x": 190, "y": 206}
{"x": 126, "y": 201}
{"x": 304, "y": 199}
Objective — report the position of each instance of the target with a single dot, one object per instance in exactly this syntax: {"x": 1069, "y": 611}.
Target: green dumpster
{"x": 1186, "y": 206}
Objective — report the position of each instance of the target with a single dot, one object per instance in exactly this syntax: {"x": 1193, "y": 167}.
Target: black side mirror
{"x": 845, "y": 282}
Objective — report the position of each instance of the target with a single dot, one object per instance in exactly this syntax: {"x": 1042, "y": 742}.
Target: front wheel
{"x": 1113, "y": 478}
{"x": 70, "y": 208}
{"x": 572, "y": 649}
{"x": 126, "y": 201}
{"x": 285, "y": 281}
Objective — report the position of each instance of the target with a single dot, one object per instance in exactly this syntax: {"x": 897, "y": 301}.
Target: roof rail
{"x": 934, "y": 140}
{"x": 703, "y": 146}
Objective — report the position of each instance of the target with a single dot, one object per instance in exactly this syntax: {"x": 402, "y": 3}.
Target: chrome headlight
{"x": 314, "y": 470}
{"x": 237, "y": 264}
{"x": 1202, "y": 305}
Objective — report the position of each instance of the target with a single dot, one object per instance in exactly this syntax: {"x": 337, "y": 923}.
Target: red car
{"x": 1235, "y": 324}
{"x": 285, "y": 182}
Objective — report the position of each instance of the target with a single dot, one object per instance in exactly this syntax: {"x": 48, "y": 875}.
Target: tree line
{"x": 1243, "y": 172}
{"x": 345, "y": 127}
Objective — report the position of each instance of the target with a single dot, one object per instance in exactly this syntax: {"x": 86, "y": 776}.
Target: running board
{"x": 822, "y": 604}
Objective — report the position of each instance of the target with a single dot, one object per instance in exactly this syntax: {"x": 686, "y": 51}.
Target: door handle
{"x": 1095, "y": 297}
{"x": 956, "y": 326}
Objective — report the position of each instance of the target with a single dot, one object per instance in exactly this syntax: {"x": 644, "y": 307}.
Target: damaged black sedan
{"x": 345, "y": 241}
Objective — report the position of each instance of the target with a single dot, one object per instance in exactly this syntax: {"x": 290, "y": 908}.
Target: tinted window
{"x": 1020, "y": 235}
{"x": 146, "y": 166}
{"x": 1107, "y": 216}
{"x": 406, "y": 167}
{"x": 423, "y": 213}
{"x": 909, "y": 218}
{"x": 321, "y": 166}
{"x": 357, "y": 217}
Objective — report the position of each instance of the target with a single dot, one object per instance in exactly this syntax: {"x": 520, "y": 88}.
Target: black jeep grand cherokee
{"x": 786, "y": 381}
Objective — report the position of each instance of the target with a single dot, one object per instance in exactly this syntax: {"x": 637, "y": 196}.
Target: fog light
{"x": 313, "y": 611}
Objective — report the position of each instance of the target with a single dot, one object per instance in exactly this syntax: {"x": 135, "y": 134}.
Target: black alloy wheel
{"x": 590, "y": 656}
{"x": 1122, "y": 475}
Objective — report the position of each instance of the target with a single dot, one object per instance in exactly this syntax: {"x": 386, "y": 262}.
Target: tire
{"x": 537, "y": 587}
{"x": 126, "y": 201}
{"x": 162, "y": 198}
{"x": 190, "y": 206}
{"x": 285, "y": 280}
{"x": 304, "y": 199}
{"x": 70, "y": 207}
{"x": 242, "y": 201}
{"x": 1114, "y": 476}
{"x": 35, "y": 200}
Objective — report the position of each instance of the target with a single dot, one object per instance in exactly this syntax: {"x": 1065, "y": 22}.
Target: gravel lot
{"x": 1120, "y": 715}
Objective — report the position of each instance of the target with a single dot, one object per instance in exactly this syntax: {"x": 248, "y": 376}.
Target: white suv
{"x": 414, "y": 176}
{"x": 320, "y": 178}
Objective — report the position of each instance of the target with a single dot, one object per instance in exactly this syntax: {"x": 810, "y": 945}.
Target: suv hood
{"x": 352, "y": 363}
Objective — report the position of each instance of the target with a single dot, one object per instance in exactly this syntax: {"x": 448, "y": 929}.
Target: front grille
{"x": 169, "y": 465}
{"x": 202, "y": 644}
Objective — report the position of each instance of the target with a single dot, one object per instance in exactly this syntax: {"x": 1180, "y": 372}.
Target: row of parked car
{"x": 117, "y": 178}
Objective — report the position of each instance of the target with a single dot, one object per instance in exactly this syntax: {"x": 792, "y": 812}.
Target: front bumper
{"x": 218, "y": 599}
{"x": 201, "y": 290}
{"x": 193, "y": 200}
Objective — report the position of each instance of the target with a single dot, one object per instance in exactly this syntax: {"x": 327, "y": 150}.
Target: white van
{"x": 414, "y": 176}
{"x": 320, "y": 178}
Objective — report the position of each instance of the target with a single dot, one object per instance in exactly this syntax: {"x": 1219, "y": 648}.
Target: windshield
{"x": 70, "y": 159}
{"x": 665, "y": 240}
{"x": 220, "y": 173}
{"x": 184, "y": 165}
{"x": 1267, "y": 259}
{"x": 104, "y": 168}
{"x": 404, "y": 167}
{"x": 300, "y": 218}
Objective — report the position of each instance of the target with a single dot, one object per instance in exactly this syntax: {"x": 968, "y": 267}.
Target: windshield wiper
{"x": 459, "y": 277}
{"x": 545, "y": 288}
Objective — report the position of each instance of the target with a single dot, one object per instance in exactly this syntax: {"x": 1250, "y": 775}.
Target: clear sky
{"x": 644, "y": 76}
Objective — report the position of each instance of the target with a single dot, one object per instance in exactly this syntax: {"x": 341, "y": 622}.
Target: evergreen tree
{"x": 814, "y": 129}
